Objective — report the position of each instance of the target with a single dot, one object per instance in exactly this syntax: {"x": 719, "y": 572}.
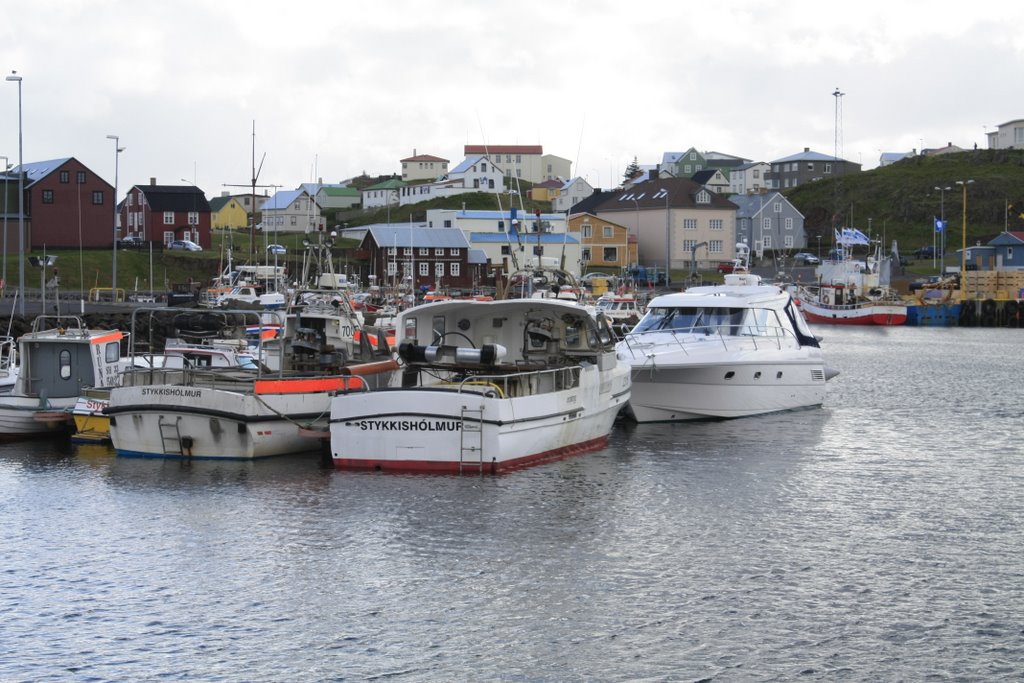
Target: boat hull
{"x": 23, "y": 416}
{"x": 204, "y": 423}
{"x": 861, "y": 314}
{"x": 448, "y": 430}
{"x": 731, "y": 390}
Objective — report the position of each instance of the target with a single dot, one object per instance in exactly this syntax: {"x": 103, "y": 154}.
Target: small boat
{"x": 194, "y": 406}
{"x": 722, "y": 351}
{"x": 623, "y": 310}
{"x": 487, "y": 386}
{"x": 57, "y": 359}
{"x": 850, "y": 291}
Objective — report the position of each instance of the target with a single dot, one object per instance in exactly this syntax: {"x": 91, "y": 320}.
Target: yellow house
{"x": 605, "y": 246}
{"x": 227, "y": 212}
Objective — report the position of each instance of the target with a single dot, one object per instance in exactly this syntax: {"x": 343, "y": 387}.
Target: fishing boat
{"x": 722, "y": 351}
{"x": 852, "y": 291}
{"x": 487, "y": 386}
{"x": 233, "y": 411}
{"x": 56, "y": 360}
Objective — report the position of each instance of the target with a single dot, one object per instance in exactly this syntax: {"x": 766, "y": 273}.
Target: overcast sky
{"x": 338, "y": 88}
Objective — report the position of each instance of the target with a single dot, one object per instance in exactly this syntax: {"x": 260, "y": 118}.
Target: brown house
{"x": 164, "y": 213}
{"x": 606, "y": 246}
{"x": 66, "y": 206}
{"x": 439, "y": 257}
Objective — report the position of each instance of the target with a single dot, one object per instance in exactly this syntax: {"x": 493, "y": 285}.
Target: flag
{"x": 939, "y": 225}
{"x": 851, "y": 236}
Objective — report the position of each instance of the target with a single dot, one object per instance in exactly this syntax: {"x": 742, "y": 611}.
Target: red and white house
{"x": 164, "y": 213}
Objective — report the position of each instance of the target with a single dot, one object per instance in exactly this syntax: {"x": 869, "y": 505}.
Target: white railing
{"x": 730, "y": 337}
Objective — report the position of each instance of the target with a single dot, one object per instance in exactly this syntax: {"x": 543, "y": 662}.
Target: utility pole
{"x": 252, "y": 185}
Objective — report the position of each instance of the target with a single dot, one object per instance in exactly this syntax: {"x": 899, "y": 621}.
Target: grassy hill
{"x": 901, "y": 201}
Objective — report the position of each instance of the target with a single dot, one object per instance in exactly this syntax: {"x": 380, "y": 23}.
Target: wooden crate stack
{"x": 992, "y": 284}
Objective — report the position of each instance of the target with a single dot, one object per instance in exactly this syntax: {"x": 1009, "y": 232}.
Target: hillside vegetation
{"x": 901, "y": 199}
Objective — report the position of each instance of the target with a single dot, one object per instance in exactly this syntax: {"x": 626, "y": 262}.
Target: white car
{"x": 184, "y": 245}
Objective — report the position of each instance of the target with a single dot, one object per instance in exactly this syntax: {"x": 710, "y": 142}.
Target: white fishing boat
{"x": 54, "y": 365}
{"x": 228, "y": 411}
{"x": 486, "y": 386}
{"x": 852, "y": 291}
{"x": 722, "y": 351}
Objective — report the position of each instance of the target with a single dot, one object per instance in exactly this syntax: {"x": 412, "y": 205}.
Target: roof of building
{"x": 403, "y": 235}
{"x": 389, "y": 184}
{"x": 424, "y": 157}
{"x": 503, "y": 149}
{"x": 283, "y": 199}
{"x": 659, "y": 193}
{"x": 468, "y": 163}
{"x": 218, "y": 203}
{"x": 704, "y": 176}
{"x": 174, "y": 197}
{"x": 339, "y": 191}
{"x": 807, "y": 155}
{"x": 37, "y": 170}
{"x": 749, "y": 205}
{"x": 524, "y": 236}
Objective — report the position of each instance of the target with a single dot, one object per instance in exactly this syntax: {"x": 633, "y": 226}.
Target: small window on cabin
{"x": 410, "y": 329}
{"x": 112, "y": 352}
{"x": 778, "y": 375}
{"x": 65, "y": 364}
{"x": 730, "y": 374}
{"x": 437, "y": 329}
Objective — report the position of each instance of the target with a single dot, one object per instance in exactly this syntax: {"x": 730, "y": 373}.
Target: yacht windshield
{"x": 725, "y": 321}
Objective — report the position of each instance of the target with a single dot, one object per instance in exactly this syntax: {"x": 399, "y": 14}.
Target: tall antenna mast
{"x": 252, "y": 185}
{"x": 839, "y": 124}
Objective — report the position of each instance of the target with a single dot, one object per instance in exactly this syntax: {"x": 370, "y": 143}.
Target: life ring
{"x": 825, "y": 298}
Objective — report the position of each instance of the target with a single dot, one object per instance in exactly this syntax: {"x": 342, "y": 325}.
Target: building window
{"x": 47, "y": 196}
{"x": 168, "y": 218}
{"x": 438, "y": 252}
{"x": 505, "y": 250}
{"x": 483, "y": 167}
{"x": 688, "y": 245}
{"x": 392, "y": 251}
{"x": 703, "y": 197}
{"x": 80, "y": 176}
{"x": 585, "y": 254}
{"x": 453, "y": 252}
{"x": 757, "y": 173}
{"x": 828, "y": 168}
{"x": 766, "y": 223}
{"x": 788, "y": 241}
{"x": 715, "y": 246}
{"x": 693, "y": 156}
{"x": 424, "y": 269}
{"x": 193, "y": 218}
{"x": 789, "y": 223}
{"x": 767, "y": 243}
{"x": 501, "y": 226}
{"x": 810, "y": 166}
{"x": 407, "y": 251}
{"x": 454, "y": 269}
{"x": 586, "y": 230}
{"x": 608, "y": 231}
{"x": 611, "y": 254}
{"x": 392, "y": 268}
{"x": 294, "y": 220}
{"x": 778, "y": 207}
{"x": 424, "y": 251}
{"x": 717, "y": 224}
{"x": 439, "y": 269}
{"x": 448, "y": 223}
{"x": 65, "y": 177}
{"x": 689, "y": 224}
{"x": 97, "y": 197}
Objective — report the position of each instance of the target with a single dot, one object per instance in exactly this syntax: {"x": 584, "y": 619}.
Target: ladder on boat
{"x": 471, "y": 439}
{"x": 170, "y": 437}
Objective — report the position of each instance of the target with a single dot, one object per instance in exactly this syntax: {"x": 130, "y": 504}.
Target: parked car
{"x": 926, "y": 252}
{"x": 806, "y": 258}
{"x": 276, "y": 249}
{"x": 726, "y": 267}
{"x": 132, "y": 239}
{"x": 588, "y": 279}
{"x": 184, "y": 245}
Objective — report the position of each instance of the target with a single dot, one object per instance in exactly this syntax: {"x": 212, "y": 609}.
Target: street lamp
{"x": 942, "y": 221}
{"x": 117, "y": 156}
{"x": 21, "y": 203}
{"x": 3, "y": 278}
{"x": 963, "y": 252}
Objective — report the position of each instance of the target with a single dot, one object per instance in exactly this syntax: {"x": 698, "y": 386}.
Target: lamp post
{"x": 3, "y": 278}
{"x": 942, "y": 220}
{"x": 117, "y": 156}
{"x": 21, "y": 203}
{"x": 963, "y": 252}
{"x": 668, "y": 240}
{"x": 637, "y": 205}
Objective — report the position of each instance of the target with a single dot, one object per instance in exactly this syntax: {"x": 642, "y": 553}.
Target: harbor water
{"x": 879, "y": 538}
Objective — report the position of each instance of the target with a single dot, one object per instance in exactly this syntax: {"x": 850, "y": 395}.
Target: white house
{"x": 1009, "y": 135}
{"x": 291, "y": 211}
{"x": 382, "y": 194}
{"x": 423, "y": 167}
{"x": 527, "y": 162}
{"x": 571, "y": 193}
{"x": 749, "y": 178}
{"x": 479, "y": 173}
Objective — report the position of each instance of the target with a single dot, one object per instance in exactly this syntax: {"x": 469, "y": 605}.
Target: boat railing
{"x": 208, "y": 378}
{"x": 8, "y": 356}
{"x": 731, "y": 337}
{"x": 520, "y": 384}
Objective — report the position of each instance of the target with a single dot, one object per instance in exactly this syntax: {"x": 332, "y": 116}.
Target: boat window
{"x": 438, "y": 329}
{"x": 65, "y": 364}
{"x": 760, "y": 322}
{"x": 683, "y": 318}
{"x": 410, "y": 329}
{"x": 112, "y": 352}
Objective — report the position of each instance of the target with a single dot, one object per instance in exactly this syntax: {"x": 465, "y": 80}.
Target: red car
{"x": 726, "y": 267}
